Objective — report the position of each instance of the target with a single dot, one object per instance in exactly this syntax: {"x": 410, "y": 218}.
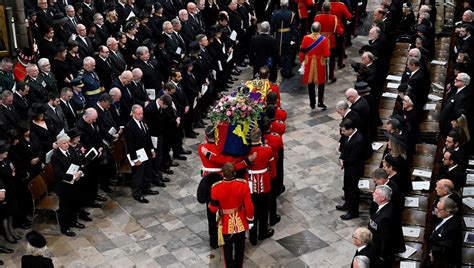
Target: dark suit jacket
{"x": 420, "y": 88}
{"x": 118, "y": 62}
{"x": 190, "y": 86}
{"x": 137, "y": 139}
{"x": 445, "y": 243}
{"x": 105, "y": 121}
{"x": 351, "y": 155}
{"x": 457, "y": 175}
{"x": 151, "y": 77}
{"x": 57, "y": 121}
{"x": 187, "y": 32}
{"x": 104, "y": 70}
{"x": 154, "y": 117}
{"x": 139, "y": 93}
{"x": 126, "y": 101}
{"x": 61, "y": 164}
{"x": 9, "y": 118}
{"x": 362, "y": 108}
{"x": 454, "y": 104}
{"x": 354, "y": 117}
{"x": 369, "y": 252}
{"x": 21, "y": 105}
{"x": 263, "y": 50}
{"x": 30, "y": 261}
{"x": 387, "y": 233}
{"x": 71, "y": 115}
{"x": 38, "y": 92}
{"x": 85, "y": 48}
{"x": 91, "y": 136}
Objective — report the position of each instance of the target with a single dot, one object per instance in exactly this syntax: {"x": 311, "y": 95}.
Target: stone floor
{"x": 171, "y": 231}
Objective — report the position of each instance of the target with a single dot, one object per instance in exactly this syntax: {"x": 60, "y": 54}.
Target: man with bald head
{"x": 116, "y": 57}
{"x": 445, "y": 189}
{"x": 115, "y": 110}
{"x": 194, "y": 18}
{"x": 137, "y": 88}
{"x": 362, "y": 108}
{"x": 86, "y": 48}
{"x": 91, "y": 138}
{"x": 127, "y": 99}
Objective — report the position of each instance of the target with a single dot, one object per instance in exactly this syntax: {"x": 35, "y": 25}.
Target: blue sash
{"x": 313, "y": 45}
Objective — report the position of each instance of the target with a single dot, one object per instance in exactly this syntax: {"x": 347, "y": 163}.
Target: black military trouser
{"x": 280, "y": 169}
{"x": 234, "y": 243}
{"x": 312, "y": 94}
{"x": 261, "y": 208}
{"x": 351, "y": 190}
{"x": 285, "y": 60}
{"x": 156, "y": 162}
{"x": 212, "y": 226}
{"x": 141, "y": 178}
{"x": 273, "y": 199}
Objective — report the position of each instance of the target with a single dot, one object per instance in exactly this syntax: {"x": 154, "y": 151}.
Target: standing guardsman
{"x": 230, "y": 198}
{"x": 283, "y": 27}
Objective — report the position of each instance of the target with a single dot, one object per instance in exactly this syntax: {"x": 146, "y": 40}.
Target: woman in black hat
{"x": 9, "y": 205}
{"x": 133, "y": 42}
{"x": 73, "y": 58}
{"x": 35, "y": 250}
{"x": 41, "y": 128}
{"x": 60, "y": 68}
{"x": 412, "y": 123}
{"x": 157, "y": 20}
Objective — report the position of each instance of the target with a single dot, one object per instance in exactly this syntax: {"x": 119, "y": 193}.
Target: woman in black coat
{"x": 40, "y": 128}
{"x": 61, "y": 69}
{"x": 72, "y": 58}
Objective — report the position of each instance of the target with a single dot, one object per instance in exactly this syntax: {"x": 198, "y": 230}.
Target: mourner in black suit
{"x": 66, "y": 188}
{"x": 386, "y": 230}
{"x": 452, "y": 169}
{"x": 54, "y": 114}
{"x": 20, "y": 102}
{"x": 151, "y": 76}
{"x": 444, "y": 243}
{"x": 362, "y": 108}
{"x": 86, "y": 48}
{"x": 458, "y": 101}
{"x": 362, "y": 239}
{"x": 419, "y": 84}
{"x": 138, "y": 137}
{"x": 104, "y": 67}
{"x": 126, "y": 99}
{"x": 9, "y": 118}
{"x": 116, "y": 57}
{"x": 353, "y": 164}
{"x": 342, "y": 108}
{"x": 264, "y": 51}
{"x": 67, "y": 108}
{"x": 137, "y": 88}
{"x": 444, "y": 189}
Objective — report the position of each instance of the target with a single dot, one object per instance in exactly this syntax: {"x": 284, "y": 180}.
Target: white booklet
{"x": 376, "y": 146}
{"x": 438, "y": 86}
{"x": 48, "y": 156}
{"x": 429, "y": 107}
{"x": 392, "y": 85}
{"x": 178, "y": 50}
{"x": 408, "y": 264}
{"x": 141, "y": 155}
{"x": 233, "y": 35}
{"x": 469, "y": 221}
{"x": 468, "y": 201}
{"x": 92, "y": 154}
{"x": 409, "y": 251}
{"x": 72, "y": 169}
{"x": 469, "y": 238}
{"x": 411, "y": 202}
{"x": 433, "y": 97}
{"x": 411, "y": 231}
{"x": 421, "y": 173}
{"x": 112, "y": 131}
{"x": 394, "y": 78}
{"x": 364, "y": 184}
{"x": 204, "y": 89}
{"x": 438, "y": 62}
{"x": 420, "y": 185}
{"x": 230, "y": 56}
{"x": 390, "y": 95}
{"x": 470, "y": 178}
{"x": 151, "y": 93}
{"x": 468, "y": 191}
{"x": 154, "y": 140}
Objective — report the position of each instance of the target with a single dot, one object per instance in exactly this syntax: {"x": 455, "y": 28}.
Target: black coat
{"x": 354, "y": 117}
{"x": 118, "y": 62}
{"x": 137, "y": 139}
{"x": 45, "y": 136}
{"x": 86, "y": 48}
{"x": 30, "y": 261}
{"x": 351, "y": 155}
{"x": 105, "y": 71}
{"x": 420, "y": 88}
{"x": 154, "y": 117}
{"x": 21, "y": 155}
{"x": 139, "y": 93}
{"x": 263, "y": 51}
{"x": 386, "y": 233}
{"x": 190, "y": 86}
{"x": 368, "y": 251}
{"x": 57, "y": 121}
{"x": 362, "y": 108}
{"x": 70, "y": 114}
{"x": 9, "y": 118}
{"x": 91, "y": 137}
{"x": 151, "y": 76}
{"x": 106, "y": 122}
{"x": 454, "y": 104}
{"x": 126, "y": 101}
{"x": 457, "y": 175}
{"x": 445, "y": 243}
{"x": 21, "y": 105}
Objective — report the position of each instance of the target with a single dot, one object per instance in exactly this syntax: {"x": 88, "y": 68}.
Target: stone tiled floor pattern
{"x": 171, "y": 231}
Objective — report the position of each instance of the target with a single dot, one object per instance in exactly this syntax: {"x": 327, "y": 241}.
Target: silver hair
{"x": 365, "y": 235}
{"x": 68, "y": 7}
{"x": 449, "y": 205}
{"x": 111, "y": 40}
{"x": 342, "y": 105}
{"x": 114, "y": 91}
{"x": 465, "y": 78}
{"x": 30, "y": 66}
{"x": 136, "y": 107}
{"x": 385, "y": 191}
{"x": 265, "y": 27}
{"x": 416, "y": 51}
{"x": 175, "y": 22}
{"x": 370, "y": 55}
{"x": 284, "y": 3}
{"x": 167, "y": 23}
{"x": 42, "y": 62}
{"x": 315, "y": 27}
{"x": 62, "y": 137}
{"x": 141, "y": 50}
{"x": 362, "y": 261}
{"x": 88, "y": 60}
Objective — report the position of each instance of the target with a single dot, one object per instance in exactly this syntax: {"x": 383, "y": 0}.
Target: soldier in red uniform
{"x": 276, "y": 126}
{"x": 328, "y": 29}
{"x": 313, "y": 53}
{"x": 303, "y": 7}
{"x": 258, "y": 178}
{"x": 280, "y": 114}
{"x": 340, "y": 10}
{"x": 276, "y": 143}
{"x": 24, "y": 57}
{"x": 212, "y": 162}
{"x": 230, "y": 198}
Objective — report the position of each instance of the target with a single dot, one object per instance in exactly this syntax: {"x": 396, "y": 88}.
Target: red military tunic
{"x": 214, "y": 161}
{"x": 303, "y": 6}
{"x": 278, "y": 127}
{"x": 315, "y": 59}
{"x": 276, "y": 89}
{"x": 275, "y": 141}
{"x": 328, "y": 27}
{"x": 232, "y": 199}
{"x": 19, "y": 71}
{"x": 340, "y": 10}
{"x": 280, "y": 114}
{"x": 263, "y": 168}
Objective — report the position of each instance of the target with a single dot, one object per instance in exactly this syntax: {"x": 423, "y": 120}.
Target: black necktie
{"x": 67, "y": 154}
{"x": 142, "y": 126}
{"x": 56, "y": 112}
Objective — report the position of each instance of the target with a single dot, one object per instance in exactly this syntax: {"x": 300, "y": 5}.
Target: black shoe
{"x": 100, "y": 198}
{"x": 25, "y": 225}
{"x": 150, "y": 192}
{"x": 342, "y": 207}
{"x": 174, "y": 164}
{"x": 232, "y": 79}
{"x": 334, "y": 80}
{"x": 106, "y": 189}
{"x": 268, "y": 234}
{"x": 167, "y": 171}
{"x": 96, "y": 205}
{"x": 185, "y": 152}
{"x": 341, "y": 66}
{"x": 253, "y": 242}
{"x": 312, "y": 106}
{"x": 6, "y": 250}
{"x": 180, "y": 157}
{"x": 276, "y": 220}
{"x": 78, "y": 225}
{"x": 141, "y": 199}
{"x": 83, "y": 212}
{"x": 159, "y": 183}
{"x": 85, "y": 217}
{"x": 349, "y": 216}
{"x": 164, "y": 179}
{"x": 11, "y": 241}
{"x": 282, "y": 190}
{"x": 214, "y": 245}
{"x": 1, "y": 262}
{"x": 68, "y": 232}
{"x": 234, "y": 73}
{"x": 322, "y": 106}
{"x": 199, "y": 125}
{"x": 243, "y": 65}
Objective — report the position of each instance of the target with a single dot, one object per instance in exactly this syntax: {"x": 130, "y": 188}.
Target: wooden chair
{"x": 402, "y": 46}
{"x": 426, "y": 149}
{"x": 386, "y": 103}
{"x": 397, "y": 69}
{"x": 120, "y": 156}
{"x": 400, "y": 53}
{"x": 419, "y": 239}
{"x": 376, "y": 158}
{"x": 48, "y": 176}
{"x": 385, "y": 113}
{"x": 369, "y": 169}
{"x": 398, "y": 60}
{"x": 430, "y": 116}
{"x": 41, "y": 199}
{"x": 414, "y": 217}
{"x": 423, "y": 161}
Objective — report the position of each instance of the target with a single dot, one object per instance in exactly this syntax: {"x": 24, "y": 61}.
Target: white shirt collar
{"x": 443, "y": 221}
{"x": 348, "y": 111}
{"x": 62, "y": 151}
{"x": 459, "y": 89}
{"x": 412, "y": 73}
{"x": 54, "y": 108}
{"x": 381, "y": 206}
{"x": 138, "y": 122}
{"x": 361, "y": 248}
{"x": 453, "y": 167}
{"x": 349, "y": 138}
{"x": 102, "y": 108}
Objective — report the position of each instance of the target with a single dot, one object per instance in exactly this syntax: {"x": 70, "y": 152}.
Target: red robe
{"x": 314, "y": 60}
{"x": 340, "y": 10}
{"x": 234, "y": 203}
{"x": 19, "y": 72}
{"x": 328, "y": 27}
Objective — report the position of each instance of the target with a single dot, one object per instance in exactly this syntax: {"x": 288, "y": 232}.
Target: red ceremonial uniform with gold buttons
{"x": 276, "y": 89}
{"x": 314, "y": 59}
{"x": 280, "y": 114}
{"x": 262, "y": 169}
{"x": 275, "y": 141}
{"x": 232, "y": 199}
{"x": 340, "y": 10}
{"x": 303, "y": 6}
{"x": 328, "y": 27}
{"x": 215, "y": 161}
{"x": 278, "y": 127}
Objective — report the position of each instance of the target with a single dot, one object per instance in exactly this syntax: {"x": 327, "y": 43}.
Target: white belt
{"x": 211, "y": 169}
{"x": 257, "y": 171}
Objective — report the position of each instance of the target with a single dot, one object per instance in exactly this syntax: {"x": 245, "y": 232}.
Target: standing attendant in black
{"x": 264, "y": 51}
{"x": 353, "y": 164}
{"x": 138, "y": 138}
